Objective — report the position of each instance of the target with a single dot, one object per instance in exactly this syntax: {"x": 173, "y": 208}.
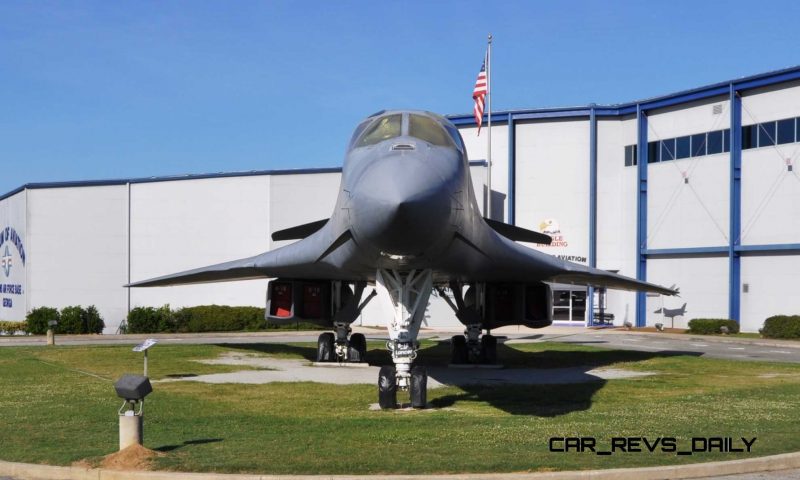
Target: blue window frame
{"x": 682, "y": 147}
{"x": 630, "y": 155}
{"x": 726, "y": 140}
{"x": 652, "y": 152}
{"x": 699, "y": 145}
{"x": 668, "y": 149}
{"x": 766, "y": 134}
{"x": 786, "y": 131}
{"x": 714, "y": 142}
{"x": 749, "y": 137}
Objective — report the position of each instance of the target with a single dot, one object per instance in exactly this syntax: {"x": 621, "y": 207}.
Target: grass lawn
{"x": 58, "y": 406}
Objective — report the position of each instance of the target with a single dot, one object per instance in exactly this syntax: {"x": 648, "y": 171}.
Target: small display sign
{"x": 145, "y": 345}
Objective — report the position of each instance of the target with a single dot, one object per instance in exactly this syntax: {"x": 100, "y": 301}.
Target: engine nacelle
{"x": 290, "y": 301}
{"x": 529, "y": 304}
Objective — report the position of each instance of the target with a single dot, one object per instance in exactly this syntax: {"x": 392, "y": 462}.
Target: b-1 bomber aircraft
{"x": 407, "y": 221}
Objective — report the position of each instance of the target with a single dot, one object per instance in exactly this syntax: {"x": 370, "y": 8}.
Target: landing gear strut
{"x": 409, "y": 293}
{"x": 473, "y": 346}
{"x": 343, "y": 345}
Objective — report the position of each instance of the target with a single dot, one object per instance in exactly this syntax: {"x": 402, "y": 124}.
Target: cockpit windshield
{"x": 380, "y": 130}
{"x": 429, "y": 130}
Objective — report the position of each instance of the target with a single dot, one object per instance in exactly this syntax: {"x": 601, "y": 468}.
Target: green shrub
{"x": 781, "y": 326}
{"x": 10, "y": 328}
{"x": 93, "y": 321}
{"x": 150, "y": 320}
{"x": 219, "y": 318}
{"x": 37, "y": 319}
{"x": 203, "y": 318}
{"x": 76, "y": 320}
{"x": 71, "y": 321}
{"x": 711, "y": 326}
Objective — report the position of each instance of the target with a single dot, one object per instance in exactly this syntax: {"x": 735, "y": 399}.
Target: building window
{"x": 715, "y": 142}
{"x": 668, "y": 149}
{"x": 766, "y": 134}
{"x": 699, "y": 145}
{"x": 652, "y": 152}
{"x": 797, "y": 128}
{"x": 749, "y": 137}
{"x": 786, "y": 131}
{"x": 726, "y": 140}
{"x": 682, "y": 147}
{"x": 630, "y": 155}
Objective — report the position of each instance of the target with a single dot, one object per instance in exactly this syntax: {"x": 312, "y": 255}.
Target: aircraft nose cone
{"x": 401, "y": 208}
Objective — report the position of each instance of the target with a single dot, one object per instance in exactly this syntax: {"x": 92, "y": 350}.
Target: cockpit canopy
{"x": 382, "y": 127}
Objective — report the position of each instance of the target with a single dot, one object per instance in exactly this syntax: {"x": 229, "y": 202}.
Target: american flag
{"x": 479, "y": 95}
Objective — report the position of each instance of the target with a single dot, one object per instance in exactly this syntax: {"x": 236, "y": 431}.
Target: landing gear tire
{"x": 458, "y": 350}
{"x": 387, "y": 387}
{"x": 489, "y": 349}
{"x": 358, "y": 348}
{"x": 419, "y": 387}
{"x": 325, "y": 347}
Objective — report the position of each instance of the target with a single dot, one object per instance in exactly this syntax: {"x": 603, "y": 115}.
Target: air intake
{"x": 403, "y": 146}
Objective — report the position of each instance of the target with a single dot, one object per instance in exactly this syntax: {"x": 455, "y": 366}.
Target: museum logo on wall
{"x": 12, "y": 263}
{"x": 550, "y": 226}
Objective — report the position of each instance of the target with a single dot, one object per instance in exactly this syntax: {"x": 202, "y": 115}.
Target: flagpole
{"x": 489, "y": 127}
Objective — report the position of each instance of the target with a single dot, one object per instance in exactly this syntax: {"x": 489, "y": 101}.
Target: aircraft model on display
{"x": 407, "y": 221}
{"x": 671, "y": 313}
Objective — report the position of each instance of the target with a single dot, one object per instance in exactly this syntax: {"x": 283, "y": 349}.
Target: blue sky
{"x": 93, "y": 90}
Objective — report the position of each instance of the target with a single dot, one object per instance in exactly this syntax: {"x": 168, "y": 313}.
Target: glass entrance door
{"x": 569, "y": 304}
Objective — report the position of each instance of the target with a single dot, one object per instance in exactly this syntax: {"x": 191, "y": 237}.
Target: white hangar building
{"x": 698, "y": 189}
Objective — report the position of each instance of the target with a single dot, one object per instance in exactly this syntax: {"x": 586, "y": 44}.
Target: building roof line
{"x": 190, "y": 176}
{"x": 616, "y": 109}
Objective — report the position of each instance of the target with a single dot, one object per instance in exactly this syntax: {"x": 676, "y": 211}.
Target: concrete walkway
{"x": 786, "y": 464}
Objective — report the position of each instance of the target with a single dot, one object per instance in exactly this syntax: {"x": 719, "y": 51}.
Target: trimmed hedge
{"x": 711, "y": 326}
{"x": 10, "y": 328}
{"x": 203, "y": 318}
{"x": 71, "y": 320}
{"x": 150, "y": 320}
{"x": 219, "y": 318}
{"x": 781, "y": 326}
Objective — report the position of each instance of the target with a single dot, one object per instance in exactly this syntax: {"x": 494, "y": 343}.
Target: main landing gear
{"x": 409, "y": 293}
{"x": 473, "y": 347}
{"x": 342, "y": 345}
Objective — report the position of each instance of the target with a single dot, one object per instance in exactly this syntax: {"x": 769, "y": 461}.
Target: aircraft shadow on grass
{"x": 201, "y": 441}
{"x": 557, "y": 392}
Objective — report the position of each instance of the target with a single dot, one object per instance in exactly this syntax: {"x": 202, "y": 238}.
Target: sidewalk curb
{"x": 784, "y": 461}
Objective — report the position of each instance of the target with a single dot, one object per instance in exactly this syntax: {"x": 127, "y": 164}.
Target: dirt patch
{"x": 135, "y": 457}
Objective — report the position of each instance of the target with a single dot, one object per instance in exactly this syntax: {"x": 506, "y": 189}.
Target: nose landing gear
{"x": 409, "y": 293}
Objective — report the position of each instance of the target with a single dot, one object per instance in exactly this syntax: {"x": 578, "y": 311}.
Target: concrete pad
{"x": 288, "y": 370}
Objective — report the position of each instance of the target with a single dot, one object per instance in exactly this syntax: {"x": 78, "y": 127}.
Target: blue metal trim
{"x": 641, "y": 214}
{"x": 686, "y": 97}
{"x": 172, "y": 178}
{"x": 512, "y": 171}
{"x": 13, "y": 192}
{"x": 773, "y": 248}
{"x": 767, "y": 79}
{"x": 478, "y": 163}
{"x": 686, "y": 252}
{"x": 630, "y": 108}
{"x": 583, "y": 112}
{"x": 498, "y": 118}
{"x": 723, "y": 250}
{"x": 592, "y": 207}
{"x": 735, "y": 204}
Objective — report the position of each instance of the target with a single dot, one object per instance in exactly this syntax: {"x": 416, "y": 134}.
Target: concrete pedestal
{"x": 130, "y": 430}
{"x": 51, "y": 337}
